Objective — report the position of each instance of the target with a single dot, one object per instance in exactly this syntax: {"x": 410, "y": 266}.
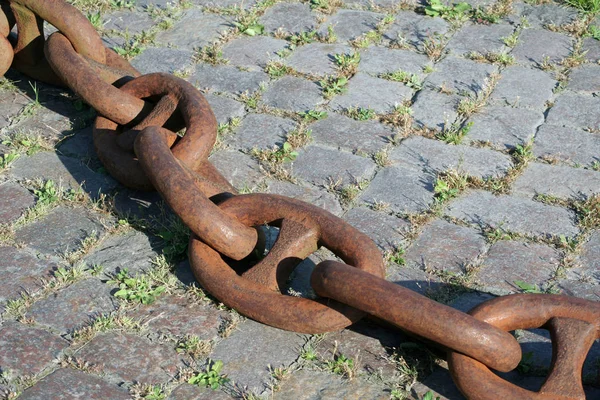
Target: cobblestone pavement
{"x": 465, "y": 145}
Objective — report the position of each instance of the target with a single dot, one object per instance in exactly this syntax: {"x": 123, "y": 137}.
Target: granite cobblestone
{"x": 394, "y": 201}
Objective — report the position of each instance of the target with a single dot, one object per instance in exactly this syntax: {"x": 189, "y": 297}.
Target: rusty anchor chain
{"x": 136, "y": 140}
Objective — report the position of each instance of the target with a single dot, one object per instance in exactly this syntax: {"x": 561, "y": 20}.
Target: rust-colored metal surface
{"x": 257, "y": 292}
{"x": 94, "y": 81}
{"x": 136, "y": 141}
{"x": 185, "y": 195}
{"x": 417, "y": 314}
{"x": 574, "y": 325}
{"x": 175, "y": 94}
{"x": 29, "y": 49}
{"x": 6, "y": 49}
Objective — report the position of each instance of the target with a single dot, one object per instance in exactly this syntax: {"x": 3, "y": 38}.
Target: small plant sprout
{"x": 347, "y": 63}
{"x": 342, "y": 365}
{"x": 136, "y": 289}
{"x": 430, "y": 396}
{"x": 455, "y": 133}
{"x": 528, "y": 287}
{"x": 313, "y": 115}
{"x": 361, "y": 114}
{"x": 456, "y": 12}
{"x": 333, "y": 85}
{"x": 211, "y": 377}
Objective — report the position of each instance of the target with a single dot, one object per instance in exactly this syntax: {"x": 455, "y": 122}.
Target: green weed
{"x": 333, "y": 85}
{"x": 211, "y": 377}
{"x": 136, "y": 289}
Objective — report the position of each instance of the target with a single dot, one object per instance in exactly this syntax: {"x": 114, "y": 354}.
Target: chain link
{"x": 135, "y": 138}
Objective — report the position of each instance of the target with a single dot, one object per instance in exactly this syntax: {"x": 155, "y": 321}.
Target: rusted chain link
{"x": 135, "y": 138}
{"x": 574, "y": 325}
{"x": 7, "y": 21}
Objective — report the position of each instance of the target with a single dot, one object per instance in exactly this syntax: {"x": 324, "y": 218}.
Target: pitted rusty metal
{"x": 574, "y": 325}
{"x": 406, "y": 309}
{"x": 7, "y": 21}
{"x": 94, "y": 81}
{"x": 114, "y": 147}
{"x": 134, "y": 137}
{"x": 29, "y": 48}
{"x": 175, "y": 182}
{"x": 257, "y": 292}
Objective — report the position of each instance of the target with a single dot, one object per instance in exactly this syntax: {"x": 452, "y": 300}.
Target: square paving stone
{"x": 180, "y": 316}
{"x": 238, "y": 168}
{"x": 435, "y": 156}
{"x": 60, "y": 231}
{"x": 440, "y": 384}
{"x": 470, "y": 300}
{"x": 589, "y": 260}
{"x": 312, "y": 195}
{"x": 559, "y": 181}
{"x": 350, "y": 24}
{"x": 66, "y": 383}
{"x": 591, "y": 48}
{"x": 74, "y": 306}
{"x": 133, "y": 251}
{"x": 252, "y": 348}
{"x": 414, "y": 279}
{"x": 584, "y": 116}
{"x": 224, "y": 78}
{"x": 542, "y": 15}
{"x": 225, "y": 108}
{"x": 26, "y": 350}
{"x": 567, "y": 144}
{"x": 369, "y": 345}
{"x": 11, "y": 103}
{"x": 131, "y": 358}
{"x": 311, "y": 385}
{"x": 381, "y": 60}
{"x": 14, "y": 200}
{"x": 317, "y": 58}
{"x": 365, "y": 91}
{"x": 414, "y": 29}
{"x": 349, "y": 134}
{"x": 513, "y": 214}
{"x": 289, "y": 17}
{"x": 187, "y": 392}
{"x": 243, "y": 4}
{"x": 505, "y": 127}
{"x": 460, "y": 75}
{"x": 585, "y": 78}
{"x": 67, "y": 171}
{"x": 254, "y": 52}
{"x": 385, "y": 230}
{"x": 445, "y": 246}
{"x": 510, "y": 261}
{"x": 132, "y": 22}
{"x": 21, "y": 272}
{"x": 538, "y": 45}
{"x": 586, "y": 291}
{"x": 406, "y": 190}
{"x": 293, "y": 94}
{"x": 368, "y": 4}
{"x": 319, "y": 165}
{"x": 263, "y": 131}
{"x": 480, "y": 38}
{"x": 435, "y": 110}
{"x": 207, "y": 28}
{"x": 81, "y": 145}
{"x": 523, "y": 87}
{"x": 162, "y": 59}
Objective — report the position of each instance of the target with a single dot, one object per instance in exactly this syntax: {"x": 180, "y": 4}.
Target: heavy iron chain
{"x": 135, "y": 140}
